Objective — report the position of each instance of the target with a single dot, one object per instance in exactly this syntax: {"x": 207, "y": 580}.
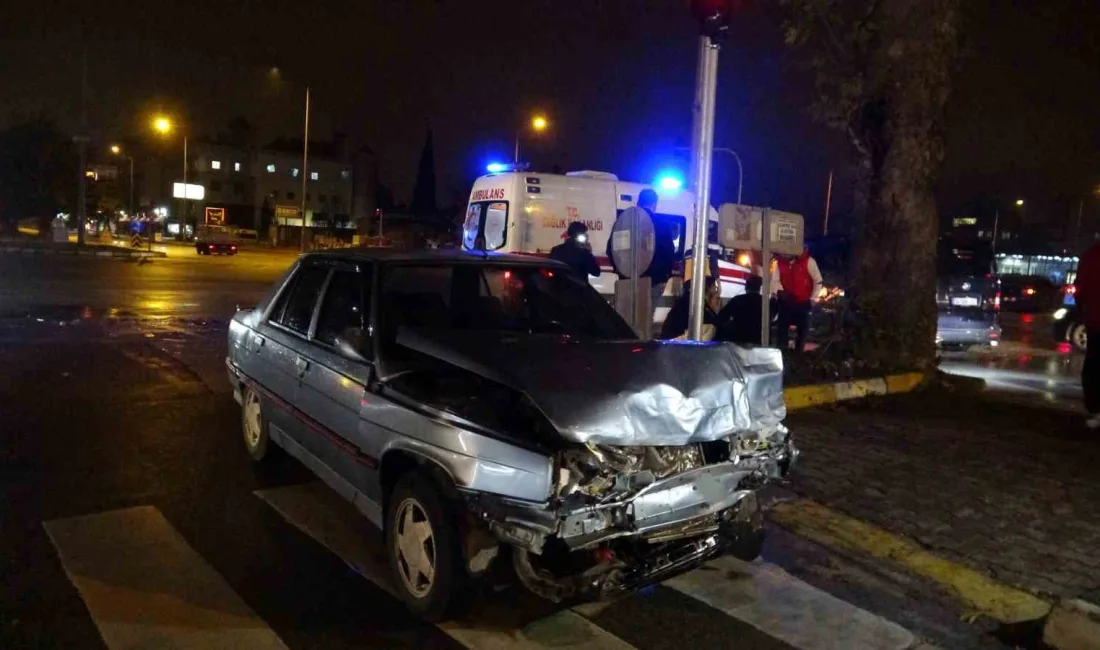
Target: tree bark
{"x": 897, "y": 135}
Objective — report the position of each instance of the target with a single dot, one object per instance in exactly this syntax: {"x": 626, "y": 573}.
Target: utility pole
{"x": 82, "y": 149}
{"x": 828, "y": 204}
{"x": 702, "y": 146}
{"x": 714, "y": 17}
{"x": 305, "y": 174}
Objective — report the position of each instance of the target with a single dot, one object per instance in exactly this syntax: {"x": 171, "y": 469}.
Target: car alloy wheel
{"x": 1079, "y": 337}
{"x": 253, "y": 425}
{"x": 415, "y": 548}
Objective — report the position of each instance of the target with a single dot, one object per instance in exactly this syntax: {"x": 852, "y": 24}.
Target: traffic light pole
{"x": 702, "y": 145}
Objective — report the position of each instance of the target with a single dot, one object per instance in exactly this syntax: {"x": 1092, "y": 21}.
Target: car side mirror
{"x": 349, "y": 345}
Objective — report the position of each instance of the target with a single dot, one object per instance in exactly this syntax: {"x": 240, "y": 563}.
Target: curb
{"x": 1073, "y": 625}
{"x": 978, "y": 591}
{"x": 800, "y": 397}
{"x": 93, "y": 251}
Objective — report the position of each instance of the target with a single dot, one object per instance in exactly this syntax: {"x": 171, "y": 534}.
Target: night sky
{"x": 613, "y": 76}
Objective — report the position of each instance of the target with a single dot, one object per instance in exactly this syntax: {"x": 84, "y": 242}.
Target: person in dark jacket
{"x": 740, "y": 318}
{"x": 1088, "y": 302}
{"x": 678, "y": 319}
{"x": 576, "y": 252}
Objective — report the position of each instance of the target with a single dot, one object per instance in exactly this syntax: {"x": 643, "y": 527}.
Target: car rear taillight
{"x": 997, "y": 301}
{"x": 1029, "y": 291}
{"x": 1070, "y": 289}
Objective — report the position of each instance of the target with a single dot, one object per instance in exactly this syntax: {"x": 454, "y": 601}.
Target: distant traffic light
{"x": 714, "y": 16}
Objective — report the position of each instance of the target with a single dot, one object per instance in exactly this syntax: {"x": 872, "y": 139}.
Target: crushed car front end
{"x": 625, "y": 517}
{"x": 658, "y": 452}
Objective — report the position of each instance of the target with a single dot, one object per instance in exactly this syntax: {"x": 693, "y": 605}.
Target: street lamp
{"x": 1019, "y": 202}
{"x": 117, "y": 150}
{"x": 740, "y": 168}
{"x": 163, "y": 125}
{"x": 538, "y": 124}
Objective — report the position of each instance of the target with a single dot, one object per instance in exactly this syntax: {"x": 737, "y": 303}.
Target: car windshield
{"x": 521, "y": 298}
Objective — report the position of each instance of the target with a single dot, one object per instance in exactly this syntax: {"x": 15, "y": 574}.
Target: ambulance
{"x": 528, "y": 213}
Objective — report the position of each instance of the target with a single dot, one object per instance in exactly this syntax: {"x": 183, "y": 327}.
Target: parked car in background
{"x": 1069, "y": 327}
{"x": 1029, "y": 293}
{"x": 968, "y": 298}
{"x": 485, "y": 408}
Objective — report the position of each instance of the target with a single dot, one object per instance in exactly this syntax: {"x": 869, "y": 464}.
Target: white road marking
{"x": 787, "y": 608}
{"x": 145, "y": 587}
{"x": 317, "y": 511}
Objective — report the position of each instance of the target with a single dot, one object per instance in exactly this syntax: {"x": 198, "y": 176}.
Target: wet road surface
{"x": 134, "y": 517}
{"x": 1028, "y": 364}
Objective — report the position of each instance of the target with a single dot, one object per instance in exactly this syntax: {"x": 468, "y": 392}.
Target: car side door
{"x": 280, "y": 341}
{"x": 333, "y": 385}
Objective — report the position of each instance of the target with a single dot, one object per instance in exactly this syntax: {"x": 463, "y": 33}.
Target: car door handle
{"x": 258, "y": 342}
{"x": 303, "y": 366}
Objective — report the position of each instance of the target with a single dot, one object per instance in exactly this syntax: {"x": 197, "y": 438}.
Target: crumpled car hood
{"x": 625, "y": 392}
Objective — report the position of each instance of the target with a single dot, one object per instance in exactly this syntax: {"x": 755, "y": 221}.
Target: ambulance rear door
{"x": 490, "y": 223}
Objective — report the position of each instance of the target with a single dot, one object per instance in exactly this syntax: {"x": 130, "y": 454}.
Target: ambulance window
{"x": 496, "y": 225}
{"x": 471, "y": 225}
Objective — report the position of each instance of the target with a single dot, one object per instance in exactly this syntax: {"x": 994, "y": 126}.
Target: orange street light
{"x": 162, "y": 125}
{"x": 538, "y": 125}
{"x": 115, "y": 149}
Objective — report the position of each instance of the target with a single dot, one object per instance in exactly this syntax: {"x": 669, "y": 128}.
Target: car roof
{"x": 390, "y": 256}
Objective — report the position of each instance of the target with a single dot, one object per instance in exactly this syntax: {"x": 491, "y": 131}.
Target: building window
{"x": 271, "y": 168}
{"x": 215, "y": 164}
{"x": 294, "y": 171}
{"x": 290, "y": 196}
{"x": 236, "y": 167}
{"x": 345, "y": 173}
{"x": 314, "y": 176}
{"x": 216, "y": 186}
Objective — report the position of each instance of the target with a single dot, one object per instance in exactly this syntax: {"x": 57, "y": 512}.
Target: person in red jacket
{"x": 1088, "y": 303}
{"x": 799, "y": 286}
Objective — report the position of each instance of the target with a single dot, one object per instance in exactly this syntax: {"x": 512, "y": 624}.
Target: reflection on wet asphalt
{"x": 1029, "y": 362}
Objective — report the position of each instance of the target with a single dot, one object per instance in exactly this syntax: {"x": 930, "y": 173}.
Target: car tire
{"x": 422, "y": 538}
{"x": 1077, "y": 335}
{"x": 254, "y": 425}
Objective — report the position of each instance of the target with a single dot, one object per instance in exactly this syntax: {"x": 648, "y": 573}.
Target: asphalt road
{"x": 133, "y": 516}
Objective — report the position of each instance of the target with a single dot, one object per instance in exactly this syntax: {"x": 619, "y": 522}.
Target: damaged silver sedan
{"x": 494, "y": 412}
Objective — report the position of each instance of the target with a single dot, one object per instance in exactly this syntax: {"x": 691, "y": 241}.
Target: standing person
{"x": 800, "y": 280}
{"x": 576, "y": 252}
{"x": 1088, "y": 301}
{"x": 740, "y": 318}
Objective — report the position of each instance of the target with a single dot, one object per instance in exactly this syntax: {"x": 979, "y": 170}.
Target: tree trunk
{"x": 898, "y": 138}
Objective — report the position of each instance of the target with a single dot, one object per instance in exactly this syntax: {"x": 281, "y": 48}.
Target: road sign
{"x": 135, "y": 241}
{"x": 632, "y": 242}
{"x": 739, "y": 227}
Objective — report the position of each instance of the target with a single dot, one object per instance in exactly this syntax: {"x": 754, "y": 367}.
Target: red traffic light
{"x": 714, "y": 16}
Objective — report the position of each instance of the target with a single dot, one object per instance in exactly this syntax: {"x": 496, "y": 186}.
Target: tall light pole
{"x": 163, "y": 125}
{"x": 538, "y": 125}
{"x": 117, "y": 150}
{"x": 305, "y": 174}
{"x": 740, "y": 168}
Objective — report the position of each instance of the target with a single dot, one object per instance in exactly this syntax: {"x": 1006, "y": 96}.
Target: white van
{"x": 528, "y": 212}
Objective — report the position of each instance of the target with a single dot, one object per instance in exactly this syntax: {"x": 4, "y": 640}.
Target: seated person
{"x": 676, "y": 323}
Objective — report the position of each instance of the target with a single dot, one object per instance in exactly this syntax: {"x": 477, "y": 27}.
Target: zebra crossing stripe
{"x": 787, "y": 608}
{"x": 317, "y": 511}
{"x": 145, "y": 587}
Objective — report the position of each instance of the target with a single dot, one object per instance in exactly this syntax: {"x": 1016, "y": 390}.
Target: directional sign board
{"x": 739, "y": 227}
